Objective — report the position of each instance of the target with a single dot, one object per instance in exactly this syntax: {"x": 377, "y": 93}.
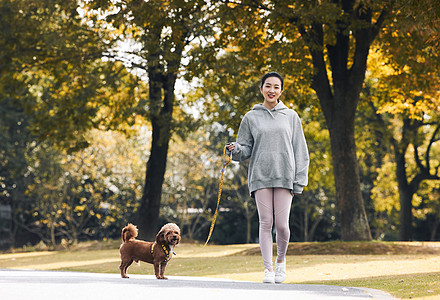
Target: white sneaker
{"x": 280, "y": 272}
{"x": 269, "y": 277}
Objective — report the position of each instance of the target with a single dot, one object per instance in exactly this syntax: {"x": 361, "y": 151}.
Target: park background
{"x": 118, "y": 111}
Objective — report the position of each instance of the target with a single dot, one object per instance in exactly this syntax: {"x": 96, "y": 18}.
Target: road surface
{"x": 48, "y": 285}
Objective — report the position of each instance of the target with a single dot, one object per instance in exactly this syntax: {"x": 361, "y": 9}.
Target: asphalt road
{"x": 48, "y": 285}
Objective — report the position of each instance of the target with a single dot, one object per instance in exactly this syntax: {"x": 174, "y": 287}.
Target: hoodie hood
{"x": 279, "y": 106}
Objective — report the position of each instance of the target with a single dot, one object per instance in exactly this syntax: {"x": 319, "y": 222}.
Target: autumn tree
{"x": 52, "y": 66}
{"x": 403, "y": 92}
{"x": 162, "y": 33}
{"x": 57, "y": 58}
{"x": 54, "y": 87}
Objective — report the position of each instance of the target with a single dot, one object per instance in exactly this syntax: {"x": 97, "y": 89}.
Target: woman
{"x": 271, "y": 136}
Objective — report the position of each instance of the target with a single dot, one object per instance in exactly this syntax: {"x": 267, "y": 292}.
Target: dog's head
{"x": 169, "y": 234}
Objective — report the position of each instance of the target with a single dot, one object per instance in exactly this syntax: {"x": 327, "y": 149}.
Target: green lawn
{"x": 405, "y": 270}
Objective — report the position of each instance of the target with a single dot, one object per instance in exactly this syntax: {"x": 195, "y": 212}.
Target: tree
{"x": 54, "y": 87}
{"x": 163, "y": 31}
{"x": 423, "y": 136}
{"x": 407, "y": 108}
{"x": 57, "y": 58}
{"x": 346, "y": 48}
{"x": 89, "y": 194}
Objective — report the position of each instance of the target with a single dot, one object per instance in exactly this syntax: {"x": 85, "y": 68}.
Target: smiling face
{"x": 271, "y": 91}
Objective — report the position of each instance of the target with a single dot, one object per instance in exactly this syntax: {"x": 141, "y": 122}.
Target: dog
{"x": 157, "y": 253}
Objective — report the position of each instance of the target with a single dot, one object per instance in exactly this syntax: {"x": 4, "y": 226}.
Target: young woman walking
{"x": 271, "y": 135}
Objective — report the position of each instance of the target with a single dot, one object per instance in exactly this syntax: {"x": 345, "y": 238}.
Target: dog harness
{"x": 167, "y": 253}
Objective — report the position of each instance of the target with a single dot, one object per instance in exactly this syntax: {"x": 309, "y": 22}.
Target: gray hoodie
{"x": 275, "y": 143}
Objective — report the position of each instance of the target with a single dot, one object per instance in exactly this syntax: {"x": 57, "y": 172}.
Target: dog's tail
{"x": 129, "y": 232}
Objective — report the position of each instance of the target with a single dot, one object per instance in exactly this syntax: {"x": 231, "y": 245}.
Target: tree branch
{"x": 314, "y": 38}
{"x": 431, "y": 142}
{"x": 382, "y": 17}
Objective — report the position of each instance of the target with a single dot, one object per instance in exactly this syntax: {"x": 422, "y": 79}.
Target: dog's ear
{"x": 160, "y": 237}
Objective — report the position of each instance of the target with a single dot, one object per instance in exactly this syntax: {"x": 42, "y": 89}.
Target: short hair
{"x": 272, "y": 74}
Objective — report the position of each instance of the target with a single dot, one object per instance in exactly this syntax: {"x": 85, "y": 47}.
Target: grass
{"x": 405, "y": 270}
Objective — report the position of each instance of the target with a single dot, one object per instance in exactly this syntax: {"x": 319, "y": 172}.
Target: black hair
{"x": 272, "y": 74}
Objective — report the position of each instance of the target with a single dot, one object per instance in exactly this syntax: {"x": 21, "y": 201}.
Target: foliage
{"x": 88, "y": 195}
{"x": 407, "y": 67}
{"x": 423, "y": 16}
{"x": 57, "y": 60}
{"x": 54, "y": 87}
{"x": 403, "y": 92}
{"x": 164, "y": 36}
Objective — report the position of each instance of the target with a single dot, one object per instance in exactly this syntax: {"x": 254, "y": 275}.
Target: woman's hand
{"x": 230, "y": 147}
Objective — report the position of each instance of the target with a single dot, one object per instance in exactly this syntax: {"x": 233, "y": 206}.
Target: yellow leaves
{"x": 80, "y": 208}
{"x": 232, "y": 48}
{"x": 110, "y": 219}
{"x": 417, "y": 200}
{"x": 385, "y": 193}
{"x": 232, "y": 5}
{"x": 120, "y": 30}
{"x": 413, "y": 105}
{"x": 410, "y": 89}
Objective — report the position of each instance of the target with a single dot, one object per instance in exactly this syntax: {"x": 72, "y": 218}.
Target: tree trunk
{"x": 150, "y": 202}
{"x": 405, "y": 232}
{"x": 248, "y": 229}
{"x": 434, "y": 228}
{"x": 53, "y": 240}
{"x": 405, "y": 194}
{"x": 306, "y": 221}
{"x": 311, "y": 234}
{"x": 353, "y": 218}
{"x": 339, "y": 104}
{"x": 161, "y": 110}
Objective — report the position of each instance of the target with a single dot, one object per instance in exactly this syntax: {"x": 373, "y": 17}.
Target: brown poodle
{"x": 157, "y": 253}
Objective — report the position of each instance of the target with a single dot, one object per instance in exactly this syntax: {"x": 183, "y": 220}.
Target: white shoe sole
{"x": 280, "y": 280}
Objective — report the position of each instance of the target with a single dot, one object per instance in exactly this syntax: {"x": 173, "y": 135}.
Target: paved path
{"x": 48, "y": 285}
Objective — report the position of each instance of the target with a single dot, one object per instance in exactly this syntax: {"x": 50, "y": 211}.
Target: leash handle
{"x": 211, "y": 229}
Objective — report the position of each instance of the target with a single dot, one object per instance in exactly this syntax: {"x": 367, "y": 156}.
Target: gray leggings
{"x": 269, "y": 202}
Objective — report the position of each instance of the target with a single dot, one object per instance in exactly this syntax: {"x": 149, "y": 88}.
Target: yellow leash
{"x": 219, "y": 194}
